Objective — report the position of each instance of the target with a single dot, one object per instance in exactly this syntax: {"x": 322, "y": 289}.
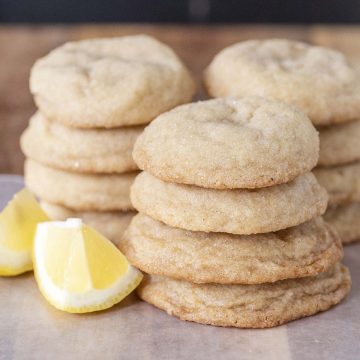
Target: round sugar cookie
{"x": 318, "y": 81}
{"x": 80, "y": 150}
{"x": 229, "y": 143}
{"x": 81, "y": 192}
{"x": 111, "y": 224}
{"x": 341, "y": 182}
{"x": 247, "y": 306}
{"x": 110, "y": 82}
{"x": 346, "y": 221}
{"x": 221, "y": 258}
{"x": 237, "y": 211}
{"x": 339, "y": 144}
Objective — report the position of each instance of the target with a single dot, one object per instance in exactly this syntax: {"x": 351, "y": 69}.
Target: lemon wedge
{"x": 18, "y": 223}
{"x": 78, "y": 270}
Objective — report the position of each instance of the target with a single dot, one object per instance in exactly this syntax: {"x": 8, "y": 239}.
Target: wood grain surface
{"x": 20, "y": 46}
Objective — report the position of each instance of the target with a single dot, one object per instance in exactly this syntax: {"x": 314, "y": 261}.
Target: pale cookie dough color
{"x": 199, "y": 257}
{"x": 229, "y": 143}
{"x": 80, "y": 150}
{"x": 111, "y": 224}
{"x": 247, "y": 306}
{"x": 237, "y": 211}
{"x": 318, "y": 81}
{"x": 346, "y": 221}
{"x": 81, "y": 192}
{"x": 339, "y": 144}
{"x": 341, "y": 182}
{"x": 110, "y": 82}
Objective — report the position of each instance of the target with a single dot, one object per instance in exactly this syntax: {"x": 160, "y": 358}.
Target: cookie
{"x": 339, "y": 144}
{"x": 200, "y": 257}
{"x": 229, "y": 143}
{"x": 237, "y": 211}
{"x": 346, "y": 221}
{"x": 111, "y": 224}
{"x": 81, "y": 192}
{"x": 341, "y": 182}
{"x": 80, "y": 150}
{"x": 110, "y": 82}
{"x": 247, "y": 306}
{"x": 316, "y": 80}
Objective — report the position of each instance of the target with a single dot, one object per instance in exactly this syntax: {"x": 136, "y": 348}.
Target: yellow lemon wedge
{"x": 18, "y": 223}
{"x": 78, "y": 270}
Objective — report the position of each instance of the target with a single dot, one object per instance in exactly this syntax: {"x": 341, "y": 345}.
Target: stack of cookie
{"x": 229, "y": 230}
{"x": 325, "y": 86}
{"x": 339, "y": 172}
{"x": 94, "y": 98}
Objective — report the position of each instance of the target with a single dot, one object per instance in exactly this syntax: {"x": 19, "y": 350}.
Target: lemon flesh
{"x": 18, "y": 223}
{"x": 78, "y": 270}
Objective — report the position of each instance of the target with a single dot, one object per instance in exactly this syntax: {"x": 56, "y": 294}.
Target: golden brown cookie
{"x": 80, "y": 150}
{"x": 199, "y": 257}
{"x": 346, "y": 221}
{"x": 81, "y": 192}
{"x": 341, "y": 182}
{"x": 229, "y": 143}
{"x": 247, "y": 306}
{"x": 110, "y": 82}
{"x": 339, "y": 144}
{"x": 237, "y": 211}
{"x": 111, "y": 224}
{"x": 319, "y": 81}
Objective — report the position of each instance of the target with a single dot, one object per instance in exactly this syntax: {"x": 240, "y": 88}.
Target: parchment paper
{"x": 32, "y": 329}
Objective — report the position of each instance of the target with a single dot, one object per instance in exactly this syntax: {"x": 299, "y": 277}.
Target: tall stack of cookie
{"x": 325, "y": 86}
{"x": 94, "y": 97}
{"x": 229, "y": 230}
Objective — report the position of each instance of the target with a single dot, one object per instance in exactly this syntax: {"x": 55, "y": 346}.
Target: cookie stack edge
{"x": 205, "y": 244}
{"x": 94, "y": 98}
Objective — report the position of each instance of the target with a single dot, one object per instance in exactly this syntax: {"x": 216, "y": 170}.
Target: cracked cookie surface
{"x": 318, "y": 81}
{"x": 247, "y": 306}
{"x": 229, "y": 143}
{"x": 110, "y": 82}
{"x": 199, "y": 257}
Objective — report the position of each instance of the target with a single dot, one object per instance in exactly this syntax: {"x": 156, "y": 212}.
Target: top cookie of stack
{"x": 229, "y": 215}
{"x": 324, "y": 85}
{"x": 94, "y": 98}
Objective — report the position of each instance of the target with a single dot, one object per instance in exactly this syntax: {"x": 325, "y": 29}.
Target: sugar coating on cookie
{"x": 339, "y": 144}
{"x": 200, "y": 257}
{"x": 110, "y": 82}
{"x": 319, "y": 81}
{"x": 239, "y": 211}
{"x": 80, "y": 192}
{"x": 341, "y": 182}
{"x": 80, "y": 150}
{"x": 111, "y": 224}
{"x": 224, "y": 143}
{"x": 247, "y": 306}
{"x": 346, "y": 221}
